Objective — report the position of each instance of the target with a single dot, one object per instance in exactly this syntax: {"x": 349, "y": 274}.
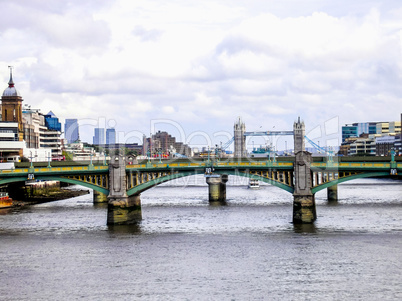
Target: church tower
{"x": 11, "y": 105}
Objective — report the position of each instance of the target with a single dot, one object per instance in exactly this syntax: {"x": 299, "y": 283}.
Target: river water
{"x": 185, "y": 249}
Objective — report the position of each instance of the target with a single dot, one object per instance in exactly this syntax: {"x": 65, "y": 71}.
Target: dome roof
{"x": 11, "y": 91}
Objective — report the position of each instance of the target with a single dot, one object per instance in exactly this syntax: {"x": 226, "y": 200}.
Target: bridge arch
{"x": 56, "y": 178}
{"x": 348, "y": 178}
{"x": 147, "y": 185}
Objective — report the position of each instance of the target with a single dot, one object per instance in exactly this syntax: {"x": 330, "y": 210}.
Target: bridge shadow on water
{"x": 305, "y": 228}
{"x": 125, "y": 229}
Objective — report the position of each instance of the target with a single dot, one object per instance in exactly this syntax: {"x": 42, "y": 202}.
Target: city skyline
{"x": 201, "y": 65}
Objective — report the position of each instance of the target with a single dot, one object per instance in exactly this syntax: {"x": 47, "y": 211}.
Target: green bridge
{"x": 121, "y": 183}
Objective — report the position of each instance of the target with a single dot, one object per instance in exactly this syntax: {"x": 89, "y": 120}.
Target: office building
{"x": 357, "y": 129}
{"x": 161, "y": 143}
{"x": 99, "y": 136}
{"x": 10, "y": 145}
{"x": 388, "y": 128}
{"x": 41, "y": 135}
{"x": 384, "y": 145}
{"x": 110, "y": 136}
{"x": 52, "y": 122}
{"x": 71, "y": 131}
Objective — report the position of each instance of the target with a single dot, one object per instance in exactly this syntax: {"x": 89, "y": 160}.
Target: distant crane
{"x": 320, "y": 149}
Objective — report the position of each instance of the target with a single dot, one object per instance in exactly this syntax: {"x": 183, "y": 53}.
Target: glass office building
{"x": 52, "y": 122}
{"x": 99, "y": 137}
{"x": 110, "y": 136}
{"x": 356, "y": 129}
{"x": 71, "y": 130}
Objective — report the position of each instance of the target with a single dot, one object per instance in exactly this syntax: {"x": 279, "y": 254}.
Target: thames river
{"x": 186, "y": 249}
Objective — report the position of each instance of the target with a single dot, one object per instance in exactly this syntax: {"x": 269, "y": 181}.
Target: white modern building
{"x": 83, "y": 153}
{"x": 37, "y": 135}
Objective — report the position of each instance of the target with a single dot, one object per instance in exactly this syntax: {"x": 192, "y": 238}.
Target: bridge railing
{"x": 207, "y": 164}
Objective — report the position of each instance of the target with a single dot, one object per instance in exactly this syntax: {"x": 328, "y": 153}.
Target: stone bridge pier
{"x": 122, "y": 209}
{"x": 99, "y": 197}
{"x": 304, "y": 210}
{"x": 217, "y": 187}
{"x": 332, "y": 193}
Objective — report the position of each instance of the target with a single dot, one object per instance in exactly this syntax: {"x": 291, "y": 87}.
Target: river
{"x": 185, "y": 249}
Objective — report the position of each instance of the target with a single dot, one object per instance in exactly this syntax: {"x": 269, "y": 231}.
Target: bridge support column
{"x": 126, "y": 210}
{"x": 99, "y": 197}
{"x": 122, "y": 209}
{"x": 332, "y": 193}
{"x": 304, "y": 210}
{"x": 217, "y": 188}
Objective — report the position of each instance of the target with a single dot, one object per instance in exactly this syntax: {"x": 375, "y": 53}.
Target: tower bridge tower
{"x": 299, "y": 131}
{"x": 239, "y": 139}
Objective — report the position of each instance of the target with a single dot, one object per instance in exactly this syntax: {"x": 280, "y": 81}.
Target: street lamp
{"x": 286, "y": 147}
{"x": 48, "y": 160}
{"x": 31, "y": 159}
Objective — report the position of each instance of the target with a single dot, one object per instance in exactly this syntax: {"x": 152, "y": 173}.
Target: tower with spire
{"x": 11, "y": 105}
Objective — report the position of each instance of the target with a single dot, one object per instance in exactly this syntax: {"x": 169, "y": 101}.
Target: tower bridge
{"x": 121, "y": 183}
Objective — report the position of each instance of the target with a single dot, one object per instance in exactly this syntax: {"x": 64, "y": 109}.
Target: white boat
{"x": 253, "y": 184}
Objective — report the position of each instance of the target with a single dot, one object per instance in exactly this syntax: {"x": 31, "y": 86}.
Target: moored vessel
{"x": 5, "y": 200}
{"x": 253, "y": 184}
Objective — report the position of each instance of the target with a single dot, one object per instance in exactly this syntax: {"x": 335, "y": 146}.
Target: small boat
{"x": 253, "y": 184}
{"x": 5, "y": 200}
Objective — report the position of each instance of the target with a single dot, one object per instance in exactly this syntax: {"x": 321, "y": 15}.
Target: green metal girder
{"x": 55, "y": 178}
{"x": 145, "y": 186}
{"x": 349, "y": 178}
{"x": 183, "y": 171}
{"x": 74, "y": 181}
{"x": 13, "y": 180}
{"x": 257, "y": 177}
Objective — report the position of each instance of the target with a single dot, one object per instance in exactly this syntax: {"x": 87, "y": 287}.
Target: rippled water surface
{"x": 185, "y": 249}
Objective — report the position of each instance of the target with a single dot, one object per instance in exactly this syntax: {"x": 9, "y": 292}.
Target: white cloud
{"x": 203, "y": 64}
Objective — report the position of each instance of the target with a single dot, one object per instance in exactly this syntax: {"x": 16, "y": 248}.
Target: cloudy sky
{"x": 192, "y": 67}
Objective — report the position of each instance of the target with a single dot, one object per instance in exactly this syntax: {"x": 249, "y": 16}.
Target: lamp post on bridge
{"x": 31, "y": 159}
{"x": 330, "y": 155}
{"x": 392, "y": 154}
{"x": 286, "y": 147}
{"x": 48, "y": 160}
